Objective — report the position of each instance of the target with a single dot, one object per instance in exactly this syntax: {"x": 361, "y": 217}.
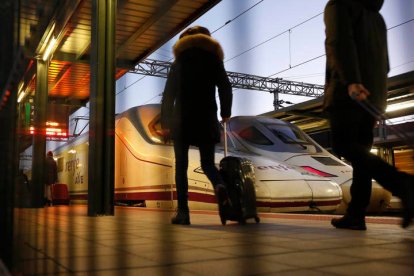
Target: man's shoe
{"x": 407, "y": 199}
{"x": 349, "y": 222}
{"x": 181, "y": 217}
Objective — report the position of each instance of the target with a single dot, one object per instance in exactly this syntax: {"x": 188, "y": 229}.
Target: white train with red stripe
{"x": 144, "y": 166}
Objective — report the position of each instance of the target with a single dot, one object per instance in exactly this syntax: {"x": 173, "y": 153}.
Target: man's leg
{"x": 362, "y": 179}
{"x": 352, "y": 138}
{"x": 343, "y": 127}
{"x": 360, "y": 191}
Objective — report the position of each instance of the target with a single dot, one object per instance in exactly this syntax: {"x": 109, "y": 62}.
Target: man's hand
{"x": 358, "y": 92}
{"x": 225, "y": 119}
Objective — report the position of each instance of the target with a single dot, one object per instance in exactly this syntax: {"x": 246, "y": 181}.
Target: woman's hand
{"x": 166, "y": 135}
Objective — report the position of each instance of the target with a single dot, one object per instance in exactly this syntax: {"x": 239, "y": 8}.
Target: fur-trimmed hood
{"x": 201, "y": 41}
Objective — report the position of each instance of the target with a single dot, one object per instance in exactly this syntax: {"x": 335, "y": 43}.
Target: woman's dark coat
{"x": 356, "y": 51}
{"x": 189, "y": 107}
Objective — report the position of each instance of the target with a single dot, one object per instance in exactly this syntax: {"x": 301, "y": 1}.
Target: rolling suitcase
{"x": 238, "y": 175}
{"x": 59, "y": 193}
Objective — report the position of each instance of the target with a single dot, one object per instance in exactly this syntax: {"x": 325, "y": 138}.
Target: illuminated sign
{"x": 53, "y": 129}
{"x": 56, "y": 126}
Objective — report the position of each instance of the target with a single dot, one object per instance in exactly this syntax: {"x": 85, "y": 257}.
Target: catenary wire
{"x": 400, "y": 24}
{"x": 158, "y": 95}
{"x": 288, "y": 30}
{"x": 273, "y": 37}
{"x": 231, "y": 20}
{"x": 314, "y": 58}
{"x": 126, "y": 87}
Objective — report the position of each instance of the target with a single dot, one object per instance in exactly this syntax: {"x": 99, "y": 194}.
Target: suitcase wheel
{"x": 223, "y": 221}
{"x": 256, "y": 219}
{"x": 242, "y": 221}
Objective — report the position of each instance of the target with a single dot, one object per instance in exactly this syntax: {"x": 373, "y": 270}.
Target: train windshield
{"x": 287, "y": 134}
{"x": 272, "y": 135}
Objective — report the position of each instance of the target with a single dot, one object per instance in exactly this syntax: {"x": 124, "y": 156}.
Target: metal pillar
{"x": 8, "y": 174}
{"x": 382, "y": 130}
{"x": 39, "y": 136}
{"x": 102, "y": 109}
{"x": 7, "y": 132}
{"x": 276, "y": 104}
{"x": 387, "y": 154}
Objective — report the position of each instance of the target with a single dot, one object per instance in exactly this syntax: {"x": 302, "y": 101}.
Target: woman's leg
{"x": 181, "y": 179}
{"x": 208, "y": 165}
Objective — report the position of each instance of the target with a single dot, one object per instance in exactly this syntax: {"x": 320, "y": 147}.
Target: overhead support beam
{"x": 275, "y": 85}
{"x": 157, "y": 68}
{"x": 69, "y": 57}
{"x": 46, "y": 29}
{"x": 85, "y": 59}
{"x": 307, "y": 114}
{"x": 57, "y": 27}
{"x": 102, "y": 109}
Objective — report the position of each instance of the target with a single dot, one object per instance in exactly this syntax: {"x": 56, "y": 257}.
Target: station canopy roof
{"x": 142, "y": 26}
{"x": 310, "y": 116}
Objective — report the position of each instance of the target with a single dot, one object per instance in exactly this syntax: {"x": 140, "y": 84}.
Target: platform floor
{"x": 63, "y": 240}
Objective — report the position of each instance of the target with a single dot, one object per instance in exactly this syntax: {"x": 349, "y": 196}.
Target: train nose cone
{"x": 298, "y": 196}
{"x": 326, "y": 195}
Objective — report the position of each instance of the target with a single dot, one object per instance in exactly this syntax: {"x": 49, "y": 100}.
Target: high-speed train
{"x": 285, "y": 142}
{"x": 293, "y": 173}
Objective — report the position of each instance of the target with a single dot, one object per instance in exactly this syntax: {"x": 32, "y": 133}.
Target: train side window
{"x": 253, "y": 135}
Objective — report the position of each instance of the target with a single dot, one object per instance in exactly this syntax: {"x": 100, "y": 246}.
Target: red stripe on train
{"x": 206, "y": 198}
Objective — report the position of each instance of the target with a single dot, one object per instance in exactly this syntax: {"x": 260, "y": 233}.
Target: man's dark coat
{"x": 356, "y": 51}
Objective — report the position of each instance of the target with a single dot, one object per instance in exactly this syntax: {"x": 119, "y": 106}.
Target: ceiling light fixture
{"x": 49, "y": 48}
{"x": 20, "y": 92}
{"x": 21, "y": 96}
{"x": 399, "y": 106}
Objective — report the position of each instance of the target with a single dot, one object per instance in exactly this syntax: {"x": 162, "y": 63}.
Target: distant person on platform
{"x": 189, "y": 109}
{"x": 51, "y": 176}
{"x": 356, "y": 73}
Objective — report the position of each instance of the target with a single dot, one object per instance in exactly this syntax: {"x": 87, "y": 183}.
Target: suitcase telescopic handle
{"x": 225, "y": 138}
{"x": 379, "y": 116}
